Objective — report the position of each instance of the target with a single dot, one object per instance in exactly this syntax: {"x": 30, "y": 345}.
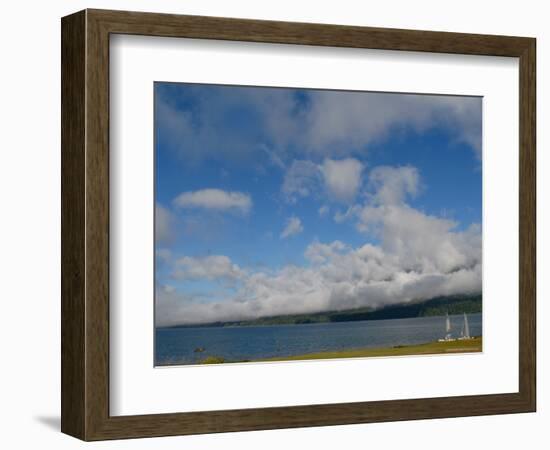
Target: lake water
{"x": 177, "y": 345}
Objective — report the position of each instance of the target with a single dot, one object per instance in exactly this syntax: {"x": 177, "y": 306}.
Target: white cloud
{"x": 214, "y": 199}
{"x": 347, "y": 120}
{"x": 342, "y": 178}
{"x": 212, "y": 267}
{"x": 202, "y": 132}
{"x": 164, "y": 255}
{"x": 164, "y": 225}
{"x": 293, "y": 226}
{"x": 418, "y": 256}
{"x": 420, "y": 242}
{"x": 323, "y": 210}
{"x": 301, "y": 180}
{"x": 393, "y": 184}
{"x": 273, "y": 157}
{"x": 168, "y": 288}
{"x": 331, "y": 124}
{"x": 319, "y": 253}
{"x": 340, "y": 278}
{"x": 340, "y": 217}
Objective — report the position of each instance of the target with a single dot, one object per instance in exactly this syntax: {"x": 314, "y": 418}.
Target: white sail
{"x": 448, "y": 324}
{"x": 448, "y": 337}
{"x": 466, "y": 327}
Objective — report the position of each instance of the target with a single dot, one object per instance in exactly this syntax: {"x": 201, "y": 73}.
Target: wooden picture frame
{"x": 85, "y": 224}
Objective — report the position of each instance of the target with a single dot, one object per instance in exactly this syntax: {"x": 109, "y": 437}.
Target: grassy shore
{"x": 430, "y": 348}
{"x": 466, "y": 346}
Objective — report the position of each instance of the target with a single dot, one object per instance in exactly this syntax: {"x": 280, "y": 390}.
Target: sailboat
{"x": 448, "y": 336}
{"x": 465, "y": 334}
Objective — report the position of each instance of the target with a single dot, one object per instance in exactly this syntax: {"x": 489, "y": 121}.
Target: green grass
{"x": 430, "y": 348}
{"x": 472, "y": 345}
{"x": 213, "y": 360}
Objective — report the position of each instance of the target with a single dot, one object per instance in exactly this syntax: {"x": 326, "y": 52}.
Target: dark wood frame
{"x": 85, "y": 224}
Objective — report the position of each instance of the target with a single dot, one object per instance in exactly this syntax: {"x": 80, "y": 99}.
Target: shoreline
{"x": 474, "y": 345}
{"x": 331, "y": 316}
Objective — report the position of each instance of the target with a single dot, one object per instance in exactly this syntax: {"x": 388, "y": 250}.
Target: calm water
{"x": 177, "y": 345}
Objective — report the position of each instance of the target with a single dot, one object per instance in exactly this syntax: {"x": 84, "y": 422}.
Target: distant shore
{"x": 438, "y": 306}
{"x": 431, "y": 348}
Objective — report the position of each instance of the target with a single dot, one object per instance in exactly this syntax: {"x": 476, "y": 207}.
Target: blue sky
{"x": 266, "y": 196}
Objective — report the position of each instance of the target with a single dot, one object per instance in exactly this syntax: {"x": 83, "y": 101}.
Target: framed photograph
{"x": 267, "y": 224}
